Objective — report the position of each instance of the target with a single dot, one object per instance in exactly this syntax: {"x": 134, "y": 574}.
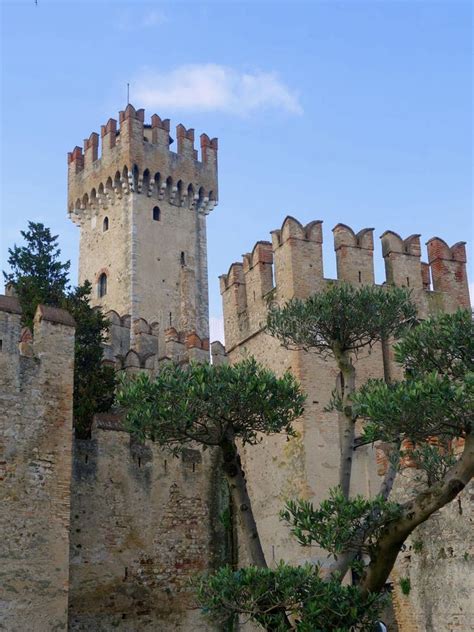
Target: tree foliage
{"x": 201, "y": 403}
{"x": 341, "y": 322}
{"x": 94, "y": 382}
{"x": 428, "y": 409}
{"x": 338, "y": 524}
{"x": 436, "y": 398}
{"x": 273, "y": 597}
{"x": 419, "y": 417}
{"x": 39, "y": 277}
{"x": 342, "y": 318}
{"x": 36, "y": 272}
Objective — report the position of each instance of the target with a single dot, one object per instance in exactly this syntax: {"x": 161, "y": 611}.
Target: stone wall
{"x": 307, "y": 465}
{"x": 437, "y": 560}
{"x": 36, "y": 384}
{"x": 142, "y": 524}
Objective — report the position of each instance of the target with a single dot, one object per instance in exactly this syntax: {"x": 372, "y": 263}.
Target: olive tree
{"x": 340, "y": 323}
{"x": 431, "y": 410}
{"x": 214, "y": 406}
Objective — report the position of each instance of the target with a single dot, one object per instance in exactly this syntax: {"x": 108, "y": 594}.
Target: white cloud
{"x": 216, "y": 328}
{"x": 212, "y": 87}
{"x": 131, "y": 21}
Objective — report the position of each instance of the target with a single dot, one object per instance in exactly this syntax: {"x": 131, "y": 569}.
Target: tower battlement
{"x": 293, "y": 267}
{"x": 142, "y": 209}
{"x": 134, "y": 157}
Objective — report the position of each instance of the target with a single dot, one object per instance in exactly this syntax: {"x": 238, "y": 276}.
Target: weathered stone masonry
{"x": 36, "y": 382}
{"x": 307, "y": 465}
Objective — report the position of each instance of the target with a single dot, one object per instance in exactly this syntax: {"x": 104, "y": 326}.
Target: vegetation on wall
{"x": 427, "y": 417}
{"x": 38, "y": 276}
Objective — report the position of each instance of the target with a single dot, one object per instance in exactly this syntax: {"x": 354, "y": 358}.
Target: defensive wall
{"x": 142, "y": 521}
{"x": 289, "y": 266}
{"x": 101, "y": 533}
{"x": 142, "y": 524}
{"x": 36, "y": 385}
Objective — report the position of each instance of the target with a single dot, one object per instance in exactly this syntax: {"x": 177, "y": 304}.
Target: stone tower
{"x": 143, "y": 523}
{"x": 142, "y": 213}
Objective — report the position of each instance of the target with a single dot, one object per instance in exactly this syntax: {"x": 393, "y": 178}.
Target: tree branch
{"x": 414, "y": 513}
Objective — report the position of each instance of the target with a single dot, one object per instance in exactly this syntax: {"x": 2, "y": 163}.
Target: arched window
{"x": 156, "y": 213}
{"x": 102, "y": 285}
{"x": 105, "y": 225}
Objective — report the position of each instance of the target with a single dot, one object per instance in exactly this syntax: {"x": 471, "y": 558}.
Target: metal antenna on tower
{"x": 128, "y": 93}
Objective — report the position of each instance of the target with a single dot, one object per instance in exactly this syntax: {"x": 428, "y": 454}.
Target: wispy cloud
{"x": 212, "y": 87}
{"x": 131, "y": 20}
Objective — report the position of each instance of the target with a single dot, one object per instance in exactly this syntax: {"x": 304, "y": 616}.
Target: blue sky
{"x": 354, "y": 112}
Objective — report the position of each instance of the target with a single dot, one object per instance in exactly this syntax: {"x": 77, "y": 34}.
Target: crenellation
{"x": 234, "y": 298}
{"x": 185, "y": 140}
{"x": 292, "y": 267}
{"x": 108, "y": 134}
{"x": 218, "y": 353}
{"x": 354, "y": 254}
{"x": 160, "y": 131}
{"x": 448, "y": 271}
{"x": 91, "y": 149}
{"x": 258, "y": 274}
{"x": 402, "y": 260}
{"x": 209, "y": 150}
{"x": 298, "y": 259}
{"x": 143, "y": 147}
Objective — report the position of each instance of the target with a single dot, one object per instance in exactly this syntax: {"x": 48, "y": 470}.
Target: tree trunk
{"x": 238, "y": 490}
{"x": 387, "y": 369}
{"x": 345, "y": 559}
{"x": 241, "y": 499}
{"x": 345, "y": 388}
{"x": 414, "y": 513}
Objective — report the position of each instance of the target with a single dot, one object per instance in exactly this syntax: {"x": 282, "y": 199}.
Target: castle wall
{"x": 36, "y": 384}
{"x": 142, "y": 524}
{"x": 438, "y": 563}
{"x": 307, "y": 465}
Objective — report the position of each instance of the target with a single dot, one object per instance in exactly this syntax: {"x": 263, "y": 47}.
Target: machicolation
{"x": 147, "y": 166}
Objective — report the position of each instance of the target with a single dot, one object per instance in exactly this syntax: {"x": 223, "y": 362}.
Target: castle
{"x": 104, "y": 533}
